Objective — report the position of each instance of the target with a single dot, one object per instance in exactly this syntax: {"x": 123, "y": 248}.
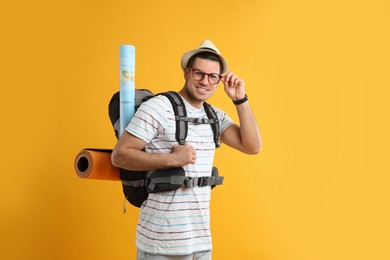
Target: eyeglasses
{"x": 198, "y": 74}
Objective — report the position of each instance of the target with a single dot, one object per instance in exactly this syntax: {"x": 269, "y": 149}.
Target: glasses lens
{"x": 214, "y": 78}
{"x": 198, "y": 74}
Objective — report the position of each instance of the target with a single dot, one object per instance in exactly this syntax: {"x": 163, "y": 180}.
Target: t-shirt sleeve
{"x": 150, "y": 119}
{"x": 224, "y": 119}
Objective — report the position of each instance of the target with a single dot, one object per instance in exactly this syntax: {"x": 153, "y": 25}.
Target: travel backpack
{"x": 138, "y": 184}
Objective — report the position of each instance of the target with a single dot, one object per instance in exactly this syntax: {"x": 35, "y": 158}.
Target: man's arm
{"x": 128, "y": 154}
{"x": 246, "y": 136}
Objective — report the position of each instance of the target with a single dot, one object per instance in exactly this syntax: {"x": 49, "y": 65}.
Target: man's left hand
{"x": 234, "y": 86}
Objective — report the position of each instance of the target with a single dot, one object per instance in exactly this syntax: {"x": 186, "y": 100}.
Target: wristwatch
{"x": 240, "y": 101}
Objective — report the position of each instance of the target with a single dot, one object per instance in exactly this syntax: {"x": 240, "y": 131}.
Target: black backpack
{"x": 138, "y": 184}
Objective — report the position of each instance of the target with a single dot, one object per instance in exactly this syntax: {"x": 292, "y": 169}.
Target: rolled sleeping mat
{"x": 96, "y": 164}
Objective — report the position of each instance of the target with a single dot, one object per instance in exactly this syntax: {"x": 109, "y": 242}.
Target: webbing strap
{"x": 198, "y": 121}
{"x": 180, "y": 115}
{"x": 187, "y": 182}
{"x": 214, "y": 123}
{"x": 175, "y": 180}
{"x": 203, "y": 181}
{"x": 137, "y": 183}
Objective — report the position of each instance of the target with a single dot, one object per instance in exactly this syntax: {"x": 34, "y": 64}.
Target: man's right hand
{"x": 184, "y": 154}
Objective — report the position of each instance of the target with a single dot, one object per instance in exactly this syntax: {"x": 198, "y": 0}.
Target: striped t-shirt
{"x": 176, "y": 222}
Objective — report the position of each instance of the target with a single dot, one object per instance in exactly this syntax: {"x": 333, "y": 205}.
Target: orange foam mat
{"x": 96, "y": 164}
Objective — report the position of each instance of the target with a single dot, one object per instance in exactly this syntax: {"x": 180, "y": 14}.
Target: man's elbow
{"x": 115, "y": 158}
{"x": 253, "y": 149}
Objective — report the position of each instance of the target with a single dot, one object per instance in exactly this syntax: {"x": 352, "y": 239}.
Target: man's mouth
{"x": 202, "y": 89}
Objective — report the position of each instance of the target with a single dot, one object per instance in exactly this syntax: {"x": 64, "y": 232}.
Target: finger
{"x": 237, "y": 81}
{"x": 232, "y": 80}
{"x": 192, "y": 159}
{"x": 227, "y": 77}
{"x": 241, "y": 83}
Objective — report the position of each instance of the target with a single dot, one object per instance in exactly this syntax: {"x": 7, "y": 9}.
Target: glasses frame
{"x": 204, "y": 74}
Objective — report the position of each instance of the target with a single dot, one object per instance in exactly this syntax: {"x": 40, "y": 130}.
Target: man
{"x": 176, "y": 224}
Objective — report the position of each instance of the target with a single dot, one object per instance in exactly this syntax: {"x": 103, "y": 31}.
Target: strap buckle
{"x": 189, "y": 182}
{"x": 204, "y": 181}
{"x": 199, "y": 121}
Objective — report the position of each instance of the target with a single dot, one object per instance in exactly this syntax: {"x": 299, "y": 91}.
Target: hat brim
{"x": 187, "y": 56}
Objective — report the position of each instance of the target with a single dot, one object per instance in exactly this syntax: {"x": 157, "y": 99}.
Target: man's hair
{"x": 206, "y": 56}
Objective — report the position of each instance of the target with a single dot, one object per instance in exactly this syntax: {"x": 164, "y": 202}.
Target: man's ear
{"x": 186, "y": 73}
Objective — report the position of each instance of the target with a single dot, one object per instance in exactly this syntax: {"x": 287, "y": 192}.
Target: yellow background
{"x": 317, "y": 76}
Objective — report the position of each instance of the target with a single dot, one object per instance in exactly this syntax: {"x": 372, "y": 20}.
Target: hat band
{"x": 206, "y": 48}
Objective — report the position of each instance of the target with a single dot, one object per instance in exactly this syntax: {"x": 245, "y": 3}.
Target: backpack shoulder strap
{"x": 182, "y": 119}
{"x": 214, "y": 123}
{"x": 180, "y": 115}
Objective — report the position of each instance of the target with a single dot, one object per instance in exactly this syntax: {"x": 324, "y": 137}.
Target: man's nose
{"x": 205, "y": 80}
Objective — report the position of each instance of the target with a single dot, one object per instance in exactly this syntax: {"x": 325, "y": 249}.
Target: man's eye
{"x": 213, "y": 76}
{"x": 199, "y": 73}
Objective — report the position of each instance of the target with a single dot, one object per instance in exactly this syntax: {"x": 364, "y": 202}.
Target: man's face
{"x": 200, "y": 90}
